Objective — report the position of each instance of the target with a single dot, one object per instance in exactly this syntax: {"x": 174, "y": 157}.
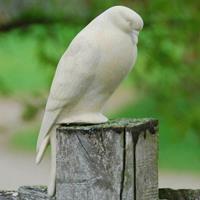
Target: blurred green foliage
{"x": 25, "y": 139}
{"x": 169, "y": 62}
{"x": 166, "y": 76}
{"x": 30, "y": 112}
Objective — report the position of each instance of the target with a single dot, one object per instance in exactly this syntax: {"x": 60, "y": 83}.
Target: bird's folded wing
{"x": 75, "y": 72}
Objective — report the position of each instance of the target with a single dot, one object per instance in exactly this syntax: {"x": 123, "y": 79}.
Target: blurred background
{"x": 164, "y": 84}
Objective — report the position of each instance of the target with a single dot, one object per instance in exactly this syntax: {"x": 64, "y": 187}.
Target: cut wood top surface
{"x": 138, "y": 124}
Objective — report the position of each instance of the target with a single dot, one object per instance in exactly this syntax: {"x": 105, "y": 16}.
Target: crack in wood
{"x": 134, "y": 166}
{"x": 123, "y": 165}
{"x": 80, "y": 142}
{"x": 102, "y": 140}
{"x": 135, "y": 136}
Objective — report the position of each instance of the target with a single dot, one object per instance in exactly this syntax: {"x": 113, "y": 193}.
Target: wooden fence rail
{"x": 40, "y": 193}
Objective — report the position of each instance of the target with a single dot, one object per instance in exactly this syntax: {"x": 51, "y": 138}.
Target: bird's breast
{"x": 117, "y": 55}
{"x": 117, "y": 58}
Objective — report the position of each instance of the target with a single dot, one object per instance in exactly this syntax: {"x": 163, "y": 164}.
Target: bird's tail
{"x": 42, "y": 149}
{"x": 49, "y": 138}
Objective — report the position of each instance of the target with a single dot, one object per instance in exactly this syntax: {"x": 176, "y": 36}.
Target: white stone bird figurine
{"x": 92, "y": 67}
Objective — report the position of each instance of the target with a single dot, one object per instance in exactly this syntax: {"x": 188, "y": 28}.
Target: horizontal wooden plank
{"x": 181, "y": 194}
{"x": 41, "y": 192}
{"x": 33, "y": 193}
{"x": 8, "y": 195}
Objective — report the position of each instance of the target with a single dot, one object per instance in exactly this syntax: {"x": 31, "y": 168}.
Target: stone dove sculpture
{"x": 92, "y": 67}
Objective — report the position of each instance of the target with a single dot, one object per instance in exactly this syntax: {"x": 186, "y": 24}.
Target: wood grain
{"x": 33, "y": 193}
{"x": 100, "y": 161}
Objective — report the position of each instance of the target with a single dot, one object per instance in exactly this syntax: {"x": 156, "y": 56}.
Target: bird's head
{"x": 126, "y": 19}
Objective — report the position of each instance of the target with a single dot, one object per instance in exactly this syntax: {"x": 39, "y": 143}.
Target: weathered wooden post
{"x": 112, "y": 161}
